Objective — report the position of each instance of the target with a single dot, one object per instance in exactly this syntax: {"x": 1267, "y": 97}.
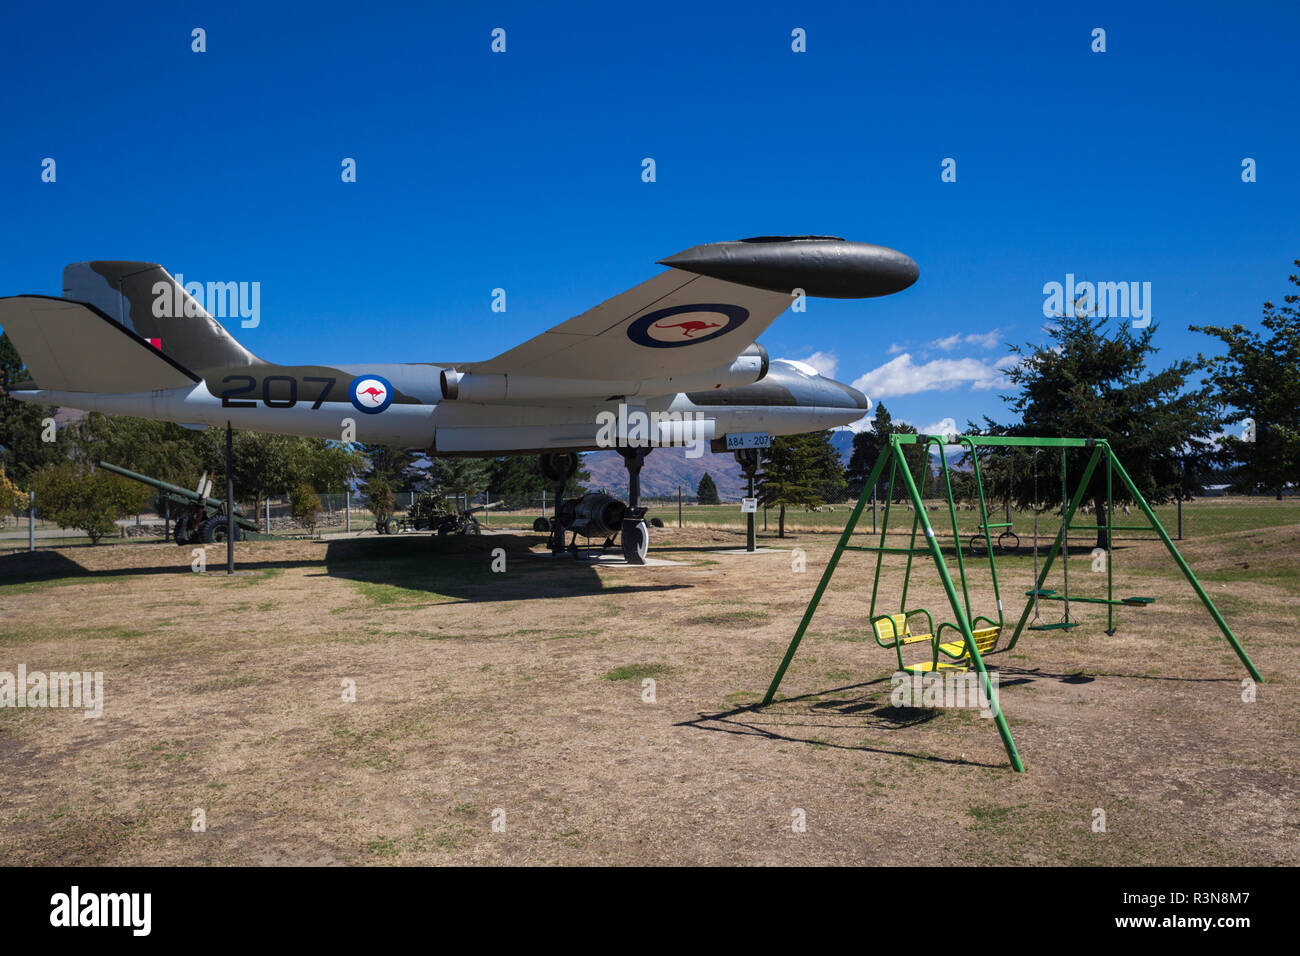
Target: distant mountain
{"x": 666, "y": 468}
{"x": 663, "y": 471}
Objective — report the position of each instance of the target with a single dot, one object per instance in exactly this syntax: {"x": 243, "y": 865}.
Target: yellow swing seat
{"x": 892, "y": 629}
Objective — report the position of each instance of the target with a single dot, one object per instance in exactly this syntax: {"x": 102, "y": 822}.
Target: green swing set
{"x": 962, "y": 643}
{"x": 1039, "y": 593}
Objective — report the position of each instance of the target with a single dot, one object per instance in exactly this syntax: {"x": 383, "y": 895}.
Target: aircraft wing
{"x": 673, "y": 324}
{"x": 712, "y": 303}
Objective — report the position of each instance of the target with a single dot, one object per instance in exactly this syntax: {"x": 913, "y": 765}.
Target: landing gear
{"x": 635, "y": 534}
{"x": 591, "y": 515}
{"x": 558, "y": 467}
{"x": 636, "y": 541}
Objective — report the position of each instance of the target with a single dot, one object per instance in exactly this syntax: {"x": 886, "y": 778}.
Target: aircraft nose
{"x": 846, "y": 396}
{"x": 859, "y": 398}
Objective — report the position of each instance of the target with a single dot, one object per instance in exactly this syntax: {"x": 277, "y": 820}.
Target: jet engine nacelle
{"x": 747, "y": 368}
{"x": 594, "y": 515}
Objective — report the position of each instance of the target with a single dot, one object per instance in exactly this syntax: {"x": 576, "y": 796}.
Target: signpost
{"x": 745, "y": 446}
{"x": 739, "y": 440}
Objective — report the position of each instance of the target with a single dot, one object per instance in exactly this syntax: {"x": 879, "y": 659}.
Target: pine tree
{"x": 868, "y": 446}
{"x": 1088, "y": 383}
{"x": 1260, "y": 379}
{"x": 706, "y": 493}
{"x": 518, "y": 480}
{"x": 459, "y": 476}
{"x": 388, "y": 470}
{"x": 799, "y": 470}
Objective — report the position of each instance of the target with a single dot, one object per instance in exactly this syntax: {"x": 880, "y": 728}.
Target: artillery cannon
{"x": 201, "y": 518}
{"x": 429, "y": 512}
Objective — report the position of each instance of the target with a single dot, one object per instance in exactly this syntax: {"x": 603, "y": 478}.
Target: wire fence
{"x": 349, "y": 513}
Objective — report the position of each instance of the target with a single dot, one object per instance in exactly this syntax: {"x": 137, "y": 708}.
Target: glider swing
{"x": 1038, "y": 593}
{"x": 962, "y": 643}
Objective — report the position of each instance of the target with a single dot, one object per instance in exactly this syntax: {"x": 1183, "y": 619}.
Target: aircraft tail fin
{"x": 72, "y": 346}
{"x": 144, "y": 298}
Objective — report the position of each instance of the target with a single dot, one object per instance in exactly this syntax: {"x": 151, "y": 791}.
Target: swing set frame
{"x": 975, "y": 641}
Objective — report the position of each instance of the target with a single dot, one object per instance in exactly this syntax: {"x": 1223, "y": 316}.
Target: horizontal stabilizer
{"x": 72, "y": 346}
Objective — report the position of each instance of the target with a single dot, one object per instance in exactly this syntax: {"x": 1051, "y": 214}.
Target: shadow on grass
{"x": 795, "y": 720}
{"x": 459, "y": 568}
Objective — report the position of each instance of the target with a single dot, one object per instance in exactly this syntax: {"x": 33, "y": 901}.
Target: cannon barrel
{"x": 490, "y": 504}
{"x": 168, "y": 487}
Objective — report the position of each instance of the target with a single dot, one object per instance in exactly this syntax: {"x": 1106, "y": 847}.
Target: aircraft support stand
{"x": 634, "y": 534}
{"x": 747, "y": 458}
{"x": 230, "y": 501}
{"x": 559, "y": 467}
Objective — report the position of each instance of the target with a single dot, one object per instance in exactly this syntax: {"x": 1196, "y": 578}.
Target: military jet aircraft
{"x": 671, "y": 361}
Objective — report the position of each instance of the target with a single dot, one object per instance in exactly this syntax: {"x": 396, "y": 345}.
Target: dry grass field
{"x": 518, "y": 696}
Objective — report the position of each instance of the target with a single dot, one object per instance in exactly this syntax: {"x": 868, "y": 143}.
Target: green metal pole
{"x": 916, "y": 523}
{"x": 998, "y": 717}
{"x": 952, "y": 512}
{"x": 1056, "y": 545}
{"x": 1186, "y": 569}
{"x": 988, "y": 536}
{"x": 884, "y": 531}
{"x": 826, "y": 575}
{"x": 1110, "y": 545}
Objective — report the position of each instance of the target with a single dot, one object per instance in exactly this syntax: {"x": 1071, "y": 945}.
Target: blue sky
{"x": 522, "y": 170}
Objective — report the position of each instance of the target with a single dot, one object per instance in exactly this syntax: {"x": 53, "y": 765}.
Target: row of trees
{"x": 1169, "y": 426}
{"x": 1166, "y": 425}
{"x": 1233, "y": 417}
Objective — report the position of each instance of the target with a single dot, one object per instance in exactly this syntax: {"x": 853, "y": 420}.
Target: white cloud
{"x": 945, "y": 426}
{"x": 902, "y": 376}
{"x": 894, "y": 349}
{"x": 980, "y": 340}
{"x": 824, "y": 362}
{"x": 864, "y": 424}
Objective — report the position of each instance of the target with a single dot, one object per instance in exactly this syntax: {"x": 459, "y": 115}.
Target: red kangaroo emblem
{"x": 690, "y": 328}
{"x": 375, "y": 393}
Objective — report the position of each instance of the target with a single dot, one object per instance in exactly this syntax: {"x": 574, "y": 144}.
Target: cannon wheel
{"x": 541, "y": 525}
{"x": 213, "y": 531}
{"x": 471, "y": 526}
{"x": 390, "y": 526}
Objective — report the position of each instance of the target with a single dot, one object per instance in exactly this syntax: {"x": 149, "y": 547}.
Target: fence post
{"x": 31, "y": 521}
